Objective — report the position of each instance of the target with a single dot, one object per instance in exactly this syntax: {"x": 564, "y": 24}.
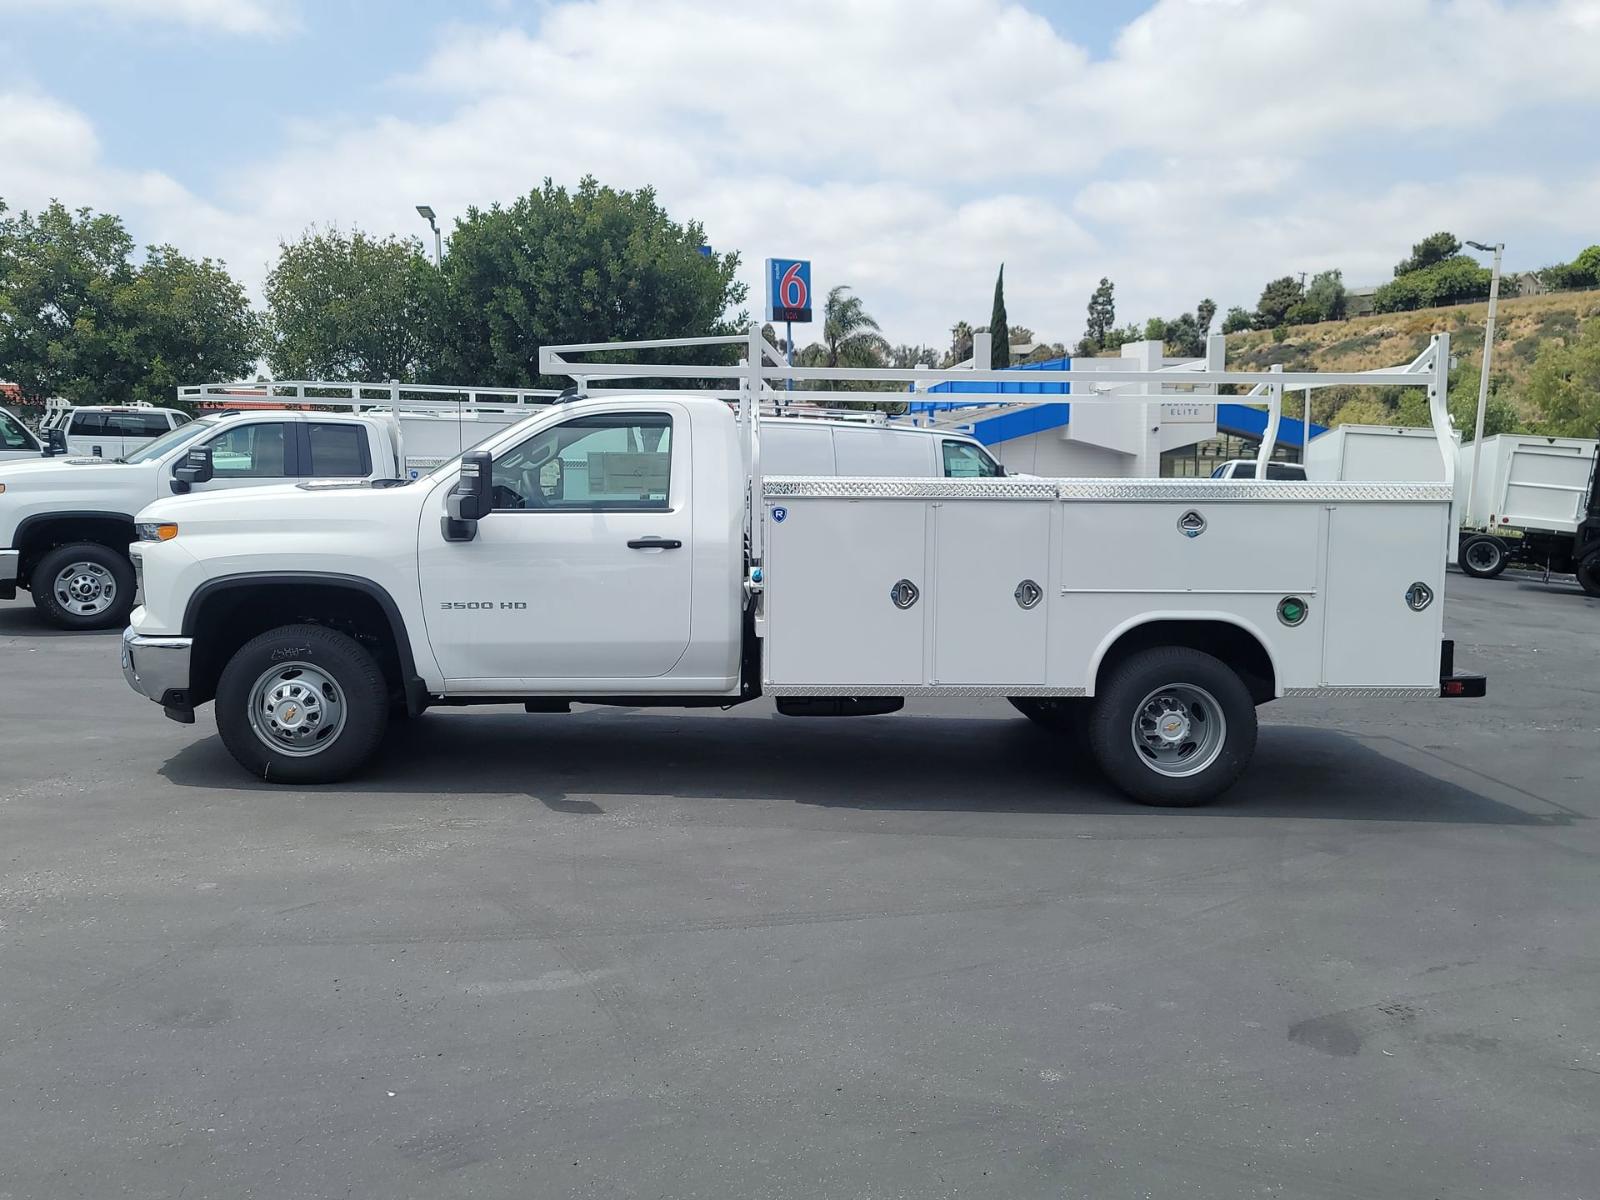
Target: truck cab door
{"x": 581, "y": 574}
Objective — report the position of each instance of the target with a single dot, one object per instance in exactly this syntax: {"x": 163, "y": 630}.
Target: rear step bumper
{"x": 1458, "y": 685}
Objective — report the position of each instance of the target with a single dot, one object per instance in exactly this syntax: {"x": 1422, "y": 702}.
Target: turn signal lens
{"x": 150, "y": 531}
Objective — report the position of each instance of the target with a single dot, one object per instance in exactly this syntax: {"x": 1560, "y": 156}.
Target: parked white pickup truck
{"x": 65, "y": 523}
{"x": 617, "y": 550}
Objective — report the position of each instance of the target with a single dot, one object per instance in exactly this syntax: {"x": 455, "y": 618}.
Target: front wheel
{"x": 83, "y": 586}
{"x": 1589, "y": 573}
{"x": 302, "y": 704}
{"x": 1483, "y": 556}
{"x": 1172, "y": 726}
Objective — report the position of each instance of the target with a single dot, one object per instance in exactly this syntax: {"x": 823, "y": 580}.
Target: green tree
{"x": 1277, "y": 298}
{"x": 59, "y": 271}
{"x": 1434, "y": 248}
{"x": 1237, "y": 320}
{"x": 960, "y": 344}
{"x": 596, "y": 264}
{"x": 179, "y": 321}
{"x": 908, "y": 357}
{"x": 1102, "y": 313}
{"x": 1204, "y": 313}
{"x": 1325, "y": 296}
{"x": 1450, "y": 281}
{"x": 999, "y": 328}
{"x": 850, "y": 335}
{"x": 1582, "y": 272}
{"x": 79, "y": 319}
{"x": 1564, "y": 386}
{"x": 352, "y": 306}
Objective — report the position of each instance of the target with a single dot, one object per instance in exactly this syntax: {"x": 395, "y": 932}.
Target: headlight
{"x": 153, "y": 531}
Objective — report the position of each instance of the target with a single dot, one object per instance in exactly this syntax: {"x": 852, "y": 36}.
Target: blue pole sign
{"x": 788, "y": 289}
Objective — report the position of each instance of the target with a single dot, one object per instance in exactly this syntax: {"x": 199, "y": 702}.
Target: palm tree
{"x": 851, "y": 334}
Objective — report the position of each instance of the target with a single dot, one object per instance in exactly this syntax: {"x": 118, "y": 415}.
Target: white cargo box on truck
{"x": 1530, "y": 482}
{"x": 1380, "y": 453}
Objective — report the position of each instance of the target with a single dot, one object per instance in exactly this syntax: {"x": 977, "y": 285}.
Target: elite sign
{"x": 788, "y": 289}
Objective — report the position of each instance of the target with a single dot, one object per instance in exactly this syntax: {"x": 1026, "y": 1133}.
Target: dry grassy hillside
{"x": 1523, "y": 324}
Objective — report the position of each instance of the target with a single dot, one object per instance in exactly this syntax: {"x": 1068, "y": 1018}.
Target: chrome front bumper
{"x": 10, "y": 565}
{"x": 158, "y": 667}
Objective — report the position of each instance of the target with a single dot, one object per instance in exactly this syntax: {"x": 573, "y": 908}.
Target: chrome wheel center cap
{"x": 1173, "y": 728}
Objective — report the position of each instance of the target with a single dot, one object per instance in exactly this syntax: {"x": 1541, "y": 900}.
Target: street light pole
{"x": 1483, "y": 379}
{"x": 426, "y": 211}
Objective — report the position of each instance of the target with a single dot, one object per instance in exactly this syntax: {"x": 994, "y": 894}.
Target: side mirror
{"x": 194, "y": 467}
{"x": 469, "y": 501}
{"x": 553, "y": 480}
{"x": 55, "y": 442}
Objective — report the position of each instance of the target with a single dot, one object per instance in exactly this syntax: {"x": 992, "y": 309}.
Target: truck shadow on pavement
{"x": 574, "y": 764}
{"x": 20, "y": 618}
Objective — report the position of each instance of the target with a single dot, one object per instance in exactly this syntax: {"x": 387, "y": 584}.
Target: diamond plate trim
{"x": 824, "y": 488}
{"x": 1175, "y": 489}
{"x": 919, "y": 691}
{"x": 1364, "y": 693}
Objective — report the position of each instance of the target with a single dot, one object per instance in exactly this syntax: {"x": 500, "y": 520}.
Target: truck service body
{"x": 628, "y": 548}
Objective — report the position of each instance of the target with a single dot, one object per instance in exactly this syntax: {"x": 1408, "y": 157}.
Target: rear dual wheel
{"x": 1169, "y": 726}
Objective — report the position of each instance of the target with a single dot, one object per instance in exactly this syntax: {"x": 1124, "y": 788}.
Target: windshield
{"x": 167, "y": 441}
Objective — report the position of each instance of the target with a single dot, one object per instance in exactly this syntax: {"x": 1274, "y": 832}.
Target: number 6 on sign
{"x": 788, "y": 289}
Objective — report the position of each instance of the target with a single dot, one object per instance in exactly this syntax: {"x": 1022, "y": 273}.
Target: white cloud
{"x": 909, "y": 146}
{"x": 226, "y": 16}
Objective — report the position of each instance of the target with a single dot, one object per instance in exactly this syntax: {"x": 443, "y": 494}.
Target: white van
{"x": 111, "y": 430}
{"x": 16, "y": 439}
{"x": 813, "y": 446}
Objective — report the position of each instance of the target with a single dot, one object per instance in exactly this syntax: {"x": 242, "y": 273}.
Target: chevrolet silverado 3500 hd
{"x": 627, "y": 549}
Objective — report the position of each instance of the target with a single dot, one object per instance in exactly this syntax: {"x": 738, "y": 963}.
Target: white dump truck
{"x": 630, "y": 548}
{"x": 1535, "y": 501}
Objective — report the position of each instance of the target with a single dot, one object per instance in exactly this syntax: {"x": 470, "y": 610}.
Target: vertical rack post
{"x": 1439, "y": 410}
{"x": 1269, "y": 439}
{"x": 749, "y": 420}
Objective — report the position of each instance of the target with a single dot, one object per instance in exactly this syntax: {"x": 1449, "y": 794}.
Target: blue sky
{"x": 1184, "y": 147}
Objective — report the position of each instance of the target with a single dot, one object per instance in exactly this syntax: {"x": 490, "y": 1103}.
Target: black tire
{"x": 93, "y": 573}
{"x": 1145, "y": 676}
{"x": 1589, "y": 573}
{"x": 1483, "y": 556}
{"x": 301, "y": 656}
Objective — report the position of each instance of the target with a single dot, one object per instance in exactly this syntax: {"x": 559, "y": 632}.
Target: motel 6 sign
{"x": 788, "y": 289}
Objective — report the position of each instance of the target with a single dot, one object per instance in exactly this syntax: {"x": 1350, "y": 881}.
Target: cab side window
{"x": 338, "y": 451}
{"x": 13, "y": 436}
{"x": 250, "y": 452}
{"x": 963, "y": 460}
{"x": 87, "y": 423}
{"x": 618, "y": 462}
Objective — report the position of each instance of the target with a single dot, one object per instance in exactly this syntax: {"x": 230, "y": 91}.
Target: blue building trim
{"x": 1238, "y": 419}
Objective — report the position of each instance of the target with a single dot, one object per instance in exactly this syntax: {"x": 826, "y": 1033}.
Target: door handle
{"x": 654, "y": 543}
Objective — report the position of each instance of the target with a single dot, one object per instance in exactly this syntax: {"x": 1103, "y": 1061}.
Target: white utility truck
{"x": 629, "y": 548}
{"x": 1536, "y": 502}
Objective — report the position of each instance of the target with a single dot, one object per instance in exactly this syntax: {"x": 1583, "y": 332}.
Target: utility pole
{"x": 1483, "y": 379}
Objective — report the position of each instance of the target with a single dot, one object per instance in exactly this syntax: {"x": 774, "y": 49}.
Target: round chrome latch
{"x": 904, "y": 594}
{"x": 1293, "y": 611}
{"x": 1191, "y": 524}
{"x": 1028, "y": 593}
{"x": 1418, "y": 596}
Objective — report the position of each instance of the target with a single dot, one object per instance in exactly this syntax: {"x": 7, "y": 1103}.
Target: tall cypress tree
{"x": 999, "y": 331}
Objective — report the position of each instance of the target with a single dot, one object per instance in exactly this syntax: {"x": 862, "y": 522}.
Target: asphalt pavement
{"x": 657, "y": 954}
